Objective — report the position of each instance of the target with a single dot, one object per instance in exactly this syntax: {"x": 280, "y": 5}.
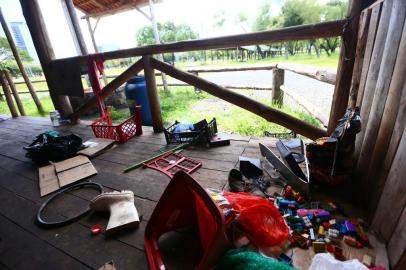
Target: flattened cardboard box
{"x": 53, "y": 177}
{"x": 96, "y": 146}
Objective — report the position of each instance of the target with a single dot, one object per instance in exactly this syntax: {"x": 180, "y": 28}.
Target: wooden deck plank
{"x": 22, "y": 250}
{"x": 20, "y": 199}
{"x": 73, "y": 239}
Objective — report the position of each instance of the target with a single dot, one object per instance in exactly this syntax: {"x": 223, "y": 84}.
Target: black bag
{"x": 50, "y": 147}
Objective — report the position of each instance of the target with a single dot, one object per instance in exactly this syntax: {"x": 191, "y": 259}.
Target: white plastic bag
{"x": 325, "y": 261}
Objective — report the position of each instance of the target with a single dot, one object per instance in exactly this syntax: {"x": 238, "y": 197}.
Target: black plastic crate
{"x": 201, "y": 133}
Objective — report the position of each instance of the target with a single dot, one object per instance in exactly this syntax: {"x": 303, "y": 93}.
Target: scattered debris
{"x": 108, "y": 266}
{"x": 51, "y": 224}
{"x": 96, "y": 229}
{"x": 50, "y": 146}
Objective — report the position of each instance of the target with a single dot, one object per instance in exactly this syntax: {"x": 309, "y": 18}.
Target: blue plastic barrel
{"x": 136, "y": 94}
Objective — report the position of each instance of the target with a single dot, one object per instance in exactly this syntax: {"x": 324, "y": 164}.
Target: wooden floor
{"x": 23, "y": 245}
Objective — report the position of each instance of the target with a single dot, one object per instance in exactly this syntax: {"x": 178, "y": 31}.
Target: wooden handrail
{"x": 242, "y": 101}
{"x": 109, "y": 88}
{"x": 302, "y": 32}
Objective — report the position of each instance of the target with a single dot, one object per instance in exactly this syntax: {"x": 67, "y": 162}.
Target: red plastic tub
{"x": 103, "y": 127}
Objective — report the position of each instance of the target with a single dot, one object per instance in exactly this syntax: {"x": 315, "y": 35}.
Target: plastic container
{"x": 183, "y": 133}
{"x": 104, "y": 128}
{"x": 136, "y": 94}
{"x": 55, "y": 118}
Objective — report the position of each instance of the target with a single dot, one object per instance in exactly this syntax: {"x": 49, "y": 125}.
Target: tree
{"x": 333, "y": 10}
{"x": 7, "y": 59}
{"x": 263, "y": 20}
{"x": 168, "y": 32}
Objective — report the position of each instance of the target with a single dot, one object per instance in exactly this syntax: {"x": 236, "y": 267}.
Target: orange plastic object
{"x": 104, "y": 128}
{"x": 185, "y": 203}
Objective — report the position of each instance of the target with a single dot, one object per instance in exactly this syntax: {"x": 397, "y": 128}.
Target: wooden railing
{"x": 148, "y": 64}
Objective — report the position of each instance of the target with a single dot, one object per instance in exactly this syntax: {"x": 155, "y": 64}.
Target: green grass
{"x": 323, "y": 61}
{"x": 29, "y": 105}
{"x": 186, "y": 106}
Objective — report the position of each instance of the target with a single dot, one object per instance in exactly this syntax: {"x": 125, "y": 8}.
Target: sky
{"x": 120, "y": 29}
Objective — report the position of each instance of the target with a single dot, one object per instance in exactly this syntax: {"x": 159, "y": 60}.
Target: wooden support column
{"x": 20, "y": 63}
{"x": 15, "y": 93}
{"x": 153, "y": 96}
{"x": 7, "y": 94}
{"x": 35, "y": 22}
{"x": 346, "y": 62}
{"x": 70, "y": 13}
{"x": 278, "y": 79}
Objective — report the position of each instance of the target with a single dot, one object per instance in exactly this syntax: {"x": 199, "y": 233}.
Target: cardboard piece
{"x": 55, "y": 176}
{"x": 95, "y": 146}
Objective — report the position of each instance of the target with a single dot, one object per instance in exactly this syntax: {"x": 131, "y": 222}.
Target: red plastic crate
{"x": 103, "y": 127}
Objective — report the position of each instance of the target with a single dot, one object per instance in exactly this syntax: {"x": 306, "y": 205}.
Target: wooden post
{"x": 346, "y": 62}
{"x": 15, "y": 93}
{"x": 197, "y": 90}
{"x": 70, "y": 13}
{"x": 20, "y": 63}
{"x": 278, "y": 79}
{"x": 153, "y": 96}
{"x": 33, "y": 17}
{"x": 7, "y": 93}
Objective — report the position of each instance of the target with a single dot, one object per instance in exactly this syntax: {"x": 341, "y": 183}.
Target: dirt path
{"x": 316, "y": 92}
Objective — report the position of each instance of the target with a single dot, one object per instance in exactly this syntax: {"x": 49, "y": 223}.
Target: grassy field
{"x": 186, "y": 106}
{"x": 29, "y": 105}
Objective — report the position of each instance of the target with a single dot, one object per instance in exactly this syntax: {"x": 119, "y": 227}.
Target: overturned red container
{"x": 103, "y": 127}
{"x": 185, "y": 203}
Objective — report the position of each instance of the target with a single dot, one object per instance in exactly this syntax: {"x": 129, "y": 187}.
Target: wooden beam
{"x": 109, "y": 88}
{"x": 253, "y": 106}
{"x": 302, "y": 32}
{"x": 20, "y": 63}
{"x": 153, "y": 96}
{"x": 362, "y": 41}
{"x": 7, "y": 94}
{"x": 373, "y": 27}
{"x": 15, "y": 93}
{"x": 386, "y": 100}
{"x": 346, "y": 62}
{"x": 35, "y": 22}
{"x": 377, "y": 93}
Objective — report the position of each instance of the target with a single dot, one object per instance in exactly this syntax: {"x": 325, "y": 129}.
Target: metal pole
{"x": 157, "y": 40}
{"x": 91, "y": 31}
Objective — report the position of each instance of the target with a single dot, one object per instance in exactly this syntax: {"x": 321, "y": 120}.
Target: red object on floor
{"x": 103, "y": 127}
{"x": 171, "y": 163}
{"x": 96, "y": 229}
{"x": 185, "y": 203}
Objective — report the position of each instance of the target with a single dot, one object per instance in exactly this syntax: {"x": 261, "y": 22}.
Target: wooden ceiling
{"x": 95, "y": 8}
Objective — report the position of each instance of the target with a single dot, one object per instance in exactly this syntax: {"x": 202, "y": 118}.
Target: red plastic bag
{"x": 259, "y": 218}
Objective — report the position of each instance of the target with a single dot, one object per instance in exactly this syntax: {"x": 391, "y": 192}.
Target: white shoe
{"x": 123, "y": 213}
